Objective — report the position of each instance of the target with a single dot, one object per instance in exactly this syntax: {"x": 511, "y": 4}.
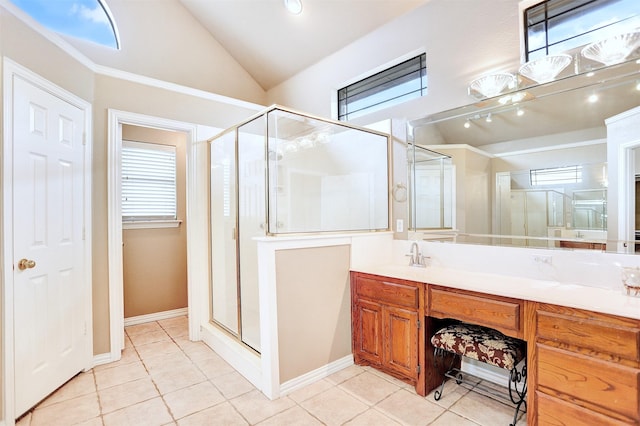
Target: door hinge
{"x": 85, "y": 328}
{"x": 419, "y": 369}
{"x": 418, "y": 323}
{"x": 83, "y": 233}
{"x": 84, "y": 139}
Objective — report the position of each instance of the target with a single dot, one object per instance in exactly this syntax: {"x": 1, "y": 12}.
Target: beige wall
{"x": 28, "y": 48}
{"x": 314, "y": 308}
{"x": 155, "y": 260}
{"x": 473, "y": 190}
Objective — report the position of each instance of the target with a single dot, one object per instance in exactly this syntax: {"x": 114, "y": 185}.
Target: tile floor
{"x": 165, "y": 379}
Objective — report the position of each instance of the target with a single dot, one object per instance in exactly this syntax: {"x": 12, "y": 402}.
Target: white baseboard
{"x": 157, "y": 316}
{"x": 100, "y": 359}
{"x": 484, "y": 371}
{"x": 245, "y": 362}
{"x": 315, "y": 375}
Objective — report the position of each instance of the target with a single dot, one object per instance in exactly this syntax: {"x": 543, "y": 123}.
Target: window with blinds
{"x": 400, "y": 83}
{"x": 148, "y": 181}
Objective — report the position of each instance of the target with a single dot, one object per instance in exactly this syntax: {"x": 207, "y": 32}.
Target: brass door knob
{"x": 26, "y": 264}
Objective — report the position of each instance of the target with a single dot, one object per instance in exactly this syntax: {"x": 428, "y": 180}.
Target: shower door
{"x": 237, "y": 217}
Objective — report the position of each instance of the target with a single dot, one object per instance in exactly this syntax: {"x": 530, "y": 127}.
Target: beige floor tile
{"x": 192, "y": 399}
{"x": 255, "y": 407}
{"x": 222, "y": 414}
{"x": 129, "y": 355}
{"x": 126, "y": 394}
{"x": 119, "y": 374}
{"x": 181, "y": 321}
{"x": 293, "y": 416}
{"x": 232, "y": 384}
{"x": 408, "y": 408}
{"x": 127, "y": 341}
{"x": 369, "y": 388}
{"x": 177, "y": 378}
{"x": 310, "y": 391}
{"x": 448, "y": 419}
{"x": 142, "y": 328}
{"x": 177, "y": 332}
{"x": 371, "y": 417}
{"x": 149, "y": 337}
{"x": 154, "y": 349}
{"x": 196, "y": 350}
{"x": 214, "y": 367}
{"x": 166, "y": 362}
{"x": 148, "y": 413}
{"x": 334, "y": 406}
{"x": 451, "y": 393}
{"x": 483, "y": 410}
{"x": 345, "y": 374}
{"x": 25, "y": 420}
{"x": 96, "y": 421}
{"x": 391, "y": 379}
{"x": 82, "y": 384}
{"x": 67, "y": 412}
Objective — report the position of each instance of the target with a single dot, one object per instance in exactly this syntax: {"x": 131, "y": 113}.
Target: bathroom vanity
{"x": 583, "y": 365}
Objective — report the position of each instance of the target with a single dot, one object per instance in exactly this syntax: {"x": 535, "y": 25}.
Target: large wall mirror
{"x": 526, "y": 168}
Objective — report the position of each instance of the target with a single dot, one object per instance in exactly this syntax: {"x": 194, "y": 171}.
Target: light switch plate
{"x": 399, "y": 225}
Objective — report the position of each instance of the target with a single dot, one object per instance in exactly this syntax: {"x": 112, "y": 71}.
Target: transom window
{"x": 86, "y": 19}
{"x": 392, "y": 86}
{"x": 555, "y": 26}
{"x": 148, "y": 181}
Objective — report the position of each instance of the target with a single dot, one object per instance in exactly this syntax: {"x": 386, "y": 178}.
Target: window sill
{"x": 151, "y": 224}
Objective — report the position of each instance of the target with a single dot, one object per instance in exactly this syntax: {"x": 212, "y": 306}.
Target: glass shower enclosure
{"x": 282, "y": 173}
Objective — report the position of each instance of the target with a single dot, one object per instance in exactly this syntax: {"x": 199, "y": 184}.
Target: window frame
{"x": 149, "y": 221}
{"x": 371, "y": 73}
{"x": 523, "y": 5}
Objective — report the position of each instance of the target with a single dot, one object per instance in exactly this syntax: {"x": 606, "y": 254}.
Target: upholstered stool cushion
{"x": 481, "y": 343}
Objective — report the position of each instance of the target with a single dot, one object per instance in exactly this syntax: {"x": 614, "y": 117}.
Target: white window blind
{"x": 148, "y": 181}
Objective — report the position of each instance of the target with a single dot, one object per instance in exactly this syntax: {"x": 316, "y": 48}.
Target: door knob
{"x": 26, "y": 264}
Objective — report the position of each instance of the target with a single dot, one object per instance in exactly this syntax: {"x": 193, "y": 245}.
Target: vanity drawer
{"x": 596, "y": 334}
{"x": 556, "y": 412}
{"x": 500, "y": 313}
{"x": 605, "y": 384}
{"x": 389, "y": 291}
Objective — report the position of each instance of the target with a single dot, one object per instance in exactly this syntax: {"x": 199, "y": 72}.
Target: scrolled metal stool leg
{"x": 518, "y": 389}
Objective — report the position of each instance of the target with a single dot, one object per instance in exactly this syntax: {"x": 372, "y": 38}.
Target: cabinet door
{"x": 367, "y": 329}
{"x": 400, "y": 336}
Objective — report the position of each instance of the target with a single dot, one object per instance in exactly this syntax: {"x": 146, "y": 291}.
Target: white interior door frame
{"x": 12, "y": 70}
{"x": 195, "y": 203}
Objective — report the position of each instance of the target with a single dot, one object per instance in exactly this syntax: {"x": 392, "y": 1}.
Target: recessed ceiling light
{"x": 593, "y": 98}
{"x": 293, "y": 6}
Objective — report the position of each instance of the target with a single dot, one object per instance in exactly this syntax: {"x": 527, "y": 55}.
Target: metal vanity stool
{"x": 486, "y": 345}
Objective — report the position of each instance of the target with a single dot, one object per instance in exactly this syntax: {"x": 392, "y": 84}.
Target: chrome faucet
{"x": 415, "y": 257}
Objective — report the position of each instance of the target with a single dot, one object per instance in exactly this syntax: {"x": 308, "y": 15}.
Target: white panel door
{"x": 51, "y": 341}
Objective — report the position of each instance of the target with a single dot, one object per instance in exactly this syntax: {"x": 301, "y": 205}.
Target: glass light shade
{"x": 293, "y": 6}
{"x": 545, "y": 69}
{"x": 491, "y": 85}
{"x": 613, "y": 50}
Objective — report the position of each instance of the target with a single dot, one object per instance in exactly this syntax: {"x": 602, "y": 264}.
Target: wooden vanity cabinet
{"x": 584, "y": 367}
{"x": 500, "y": 313}
{"x": 386, "y": 326}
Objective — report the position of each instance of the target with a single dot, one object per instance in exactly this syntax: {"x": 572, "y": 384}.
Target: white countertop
{"x": 570, "y": 295}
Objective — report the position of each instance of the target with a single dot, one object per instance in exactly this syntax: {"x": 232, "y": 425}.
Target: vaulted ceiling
{"x": 273, "y": 45}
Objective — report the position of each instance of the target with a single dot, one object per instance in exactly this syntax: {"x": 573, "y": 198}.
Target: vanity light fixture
{"x": 488, "y": 119}
{"x": 519, "y": 112}
{"x": 467, "y": 124}
{"x": 293, "y": 6}
{"x": 638, "y": 85}
{"x": 545, "y": 69}
{"x": 613, "y": 50}
{"x": 491, "y": 85}
{"x": 593, "y": 98}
